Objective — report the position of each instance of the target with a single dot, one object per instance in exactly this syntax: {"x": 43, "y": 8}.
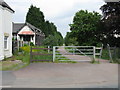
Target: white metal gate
{"x": 76, "y": 53}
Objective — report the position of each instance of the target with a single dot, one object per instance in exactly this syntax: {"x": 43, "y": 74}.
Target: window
{"x": 6, "y": 42}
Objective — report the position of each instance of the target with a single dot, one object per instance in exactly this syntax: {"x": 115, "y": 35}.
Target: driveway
{"x": 61, "y": 75}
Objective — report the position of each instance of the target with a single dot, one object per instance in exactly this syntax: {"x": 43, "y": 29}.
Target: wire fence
{"x": 114, "y": 54}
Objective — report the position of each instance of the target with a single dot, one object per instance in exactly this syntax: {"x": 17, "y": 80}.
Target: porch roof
{"x": 26, "y": 33}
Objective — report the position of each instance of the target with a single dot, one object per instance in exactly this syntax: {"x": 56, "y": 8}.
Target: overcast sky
{"x": 60, "y": 12}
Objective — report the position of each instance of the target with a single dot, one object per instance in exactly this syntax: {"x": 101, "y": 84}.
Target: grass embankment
{"x": 15, "y": 62}
{"x": 7, "y": 65}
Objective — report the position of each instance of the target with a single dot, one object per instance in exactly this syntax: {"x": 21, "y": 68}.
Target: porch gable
{"x": 26, "y": 31}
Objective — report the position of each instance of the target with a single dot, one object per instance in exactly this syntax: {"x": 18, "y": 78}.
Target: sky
{"x": 60, "y": 12}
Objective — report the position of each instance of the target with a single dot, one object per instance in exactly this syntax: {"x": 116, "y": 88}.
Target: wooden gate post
{"x": 54, "y": 53}
{"x": 94, "y": 52}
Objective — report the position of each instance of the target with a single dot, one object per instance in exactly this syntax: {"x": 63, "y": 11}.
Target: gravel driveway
{"x": 61, "y": 75}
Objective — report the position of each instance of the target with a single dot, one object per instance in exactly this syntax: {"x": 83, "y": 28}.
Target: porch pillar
{"x": 34, "y": 39}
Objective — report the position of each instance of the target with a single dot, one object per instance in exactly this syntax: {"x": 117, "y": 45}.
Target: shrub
{"x": 31, "y": 44}
{"x": 25, "y": 49}
{"x": 25, "y": 45}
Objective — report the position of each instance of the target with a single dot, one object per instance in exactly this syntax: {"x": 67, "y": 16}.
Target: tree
{"x": 69, "y": 40}
{"x": 85, "y": 28}
{"x": 50, "y": 41}
{"x": 36, "y": 18}
{"x": 111, "y": 20}
{"x": 54, "y": 40}
{"x": 59, "y": 38}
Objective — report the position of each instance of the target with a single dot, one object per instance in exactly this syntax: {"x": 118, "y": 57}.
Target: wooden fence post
{"x": 48, "y": 49}
{"x": 30, "y": 54}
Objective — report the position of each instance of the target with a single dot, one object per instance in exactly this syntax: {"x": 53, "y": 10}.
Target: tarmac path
{"x": 63, "y": 75}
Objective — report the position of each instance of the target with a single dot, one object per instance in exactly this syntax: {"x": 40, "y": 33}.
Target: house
{"x": 111, "y": 1}
{"x": 25, "y": 33}
{"x": 5, "y": 30}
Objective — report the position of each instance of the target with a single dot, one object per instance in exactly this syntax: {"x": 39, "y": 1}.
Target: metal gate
{"x": 76, "y": 53}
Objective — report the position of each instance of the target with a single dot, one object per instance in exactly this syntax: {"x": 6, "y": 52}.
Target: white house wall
{"x": 8, "y": 29}
{"x": 1, "y": 35}
{"x": 5, "y": 28}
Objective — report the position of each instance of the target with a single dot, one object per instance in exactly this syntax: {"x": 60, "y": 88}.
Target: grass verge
{"x": 11, "y": 65}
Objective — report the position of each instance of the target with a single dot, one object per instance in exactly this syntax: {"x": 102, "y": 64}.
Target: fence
{"x": 40, "y": 54}
{"x": 114, "y": 53}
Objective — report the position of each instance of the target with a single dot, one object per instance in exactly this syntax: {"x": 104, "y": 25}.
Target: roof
{"x": 18, "y": 26}
{"x": 4, "y": 4}
{"x": 26, "y": 33}
{"x": 32, "y": 27}
{"x": 112, "y": 0}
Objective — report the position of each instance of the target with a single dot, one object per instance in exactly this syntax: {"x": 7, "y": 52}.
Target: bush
{"x": 25, "y": 49}
{"x": 25, "y": 45}
{"x": 31, "y": 44}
